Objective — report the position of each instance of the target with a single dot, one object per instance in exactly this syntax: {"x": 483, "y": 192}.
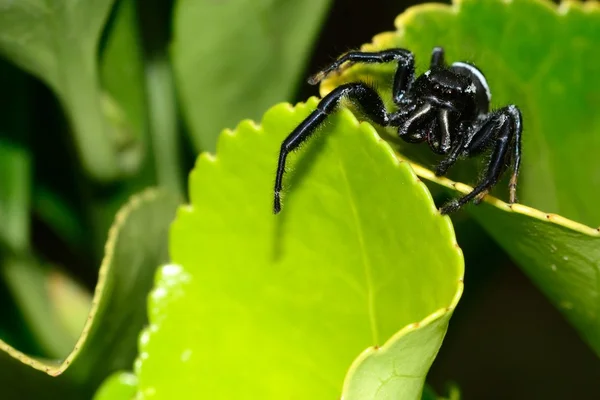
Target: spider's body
{"x": 447, "y": 106}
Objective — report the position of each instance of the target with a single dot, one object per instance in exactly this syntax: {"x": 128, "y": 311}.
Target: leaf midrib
{"x": 365, "y": 259}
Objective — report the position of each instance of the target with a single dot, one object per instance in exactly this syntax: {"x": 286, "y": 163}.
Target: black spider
{"x": 447, "y": 106}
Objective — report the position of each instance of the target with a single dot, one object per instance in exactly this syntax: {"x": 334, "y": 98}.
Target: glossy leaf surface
{"x": 260, "y": 306}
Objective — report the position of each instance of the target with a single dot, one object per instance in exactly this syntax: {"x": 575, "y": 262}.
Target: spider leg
{"x": 504, "y": 128}
{"x": 405, "y": 73}
{"x": 437, "y": 57}
{"x": 359, "y": 93}
{"x": 445, "y": 140}
{"x": 453, "y": 154}
{"x": 517, "y": 128}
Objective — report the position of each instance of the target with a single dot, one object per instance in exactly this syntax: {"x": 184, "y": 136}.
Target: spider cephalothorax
{"x": 447, "y": 106}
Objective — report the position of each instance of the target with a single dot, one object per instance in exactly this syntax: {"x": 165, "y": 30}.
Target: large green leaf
{"x": 137, "y": 244}
{"x": 542, "y": 58}
{"x": 234, "y": 59}
{"x": 261, "y": 306}
{"x": 58, "y": 42}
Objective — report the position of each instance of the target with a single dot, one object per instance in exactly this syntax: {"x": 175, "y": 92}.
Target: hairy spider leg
{"x": 504, "y": 127}
{"x": 403, "y": 78}
{"x": 455, "y": 152}
{"x": 517, "y": 128}
{"x": 359, "y": 93}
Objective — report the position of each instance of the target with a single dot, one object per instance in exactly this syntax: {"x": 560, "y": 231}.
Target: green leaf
{"x": 453, "y": 393}
{"x": 540, "y": 57}
{"x": 561, "y": 256}
{"x": 137, "y": 244}
{"x": 52, "y": 208}
{"x": 58, "y": 42}
{"x": 15, "y": 159}
{"x": 120, "y": 385}
{"x": 122, "y": 76}
{"x": 545, "y": 67}
{"x": 563, "y": 259}
{"x": 30, "y": 285}
{"x": 261, "y": 306}
{"x": 232, "y": 60}
{"x": 15, "y": 192}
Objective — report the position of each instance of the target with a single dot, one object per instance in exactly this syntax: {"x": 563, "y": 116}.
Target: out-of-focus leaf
{"x": 284, "y": 304}
{"x": 234, "y": 59}
{"x": 540, "y": 57}
{"x": 28, "y": 284}
{"x": 54, "y": 211}
{"x": 137, "y": 244}
{"x": 121, "y": 66}
{"x": 430, "y": 394}
{"x": 15, "y": 159}
{"x": 122, "y": 73}
{"x": 58, "y": 42}
{"x": 15, "y": 192}
{"x": 70, "y": 302}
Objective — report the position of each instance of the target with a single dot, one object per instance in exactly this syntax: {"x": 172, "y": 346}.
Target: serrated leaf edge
{"x": 258, "y": 128}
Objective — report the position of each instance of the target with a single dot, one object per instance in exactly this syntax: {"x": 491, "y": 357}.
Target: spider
{"x": 447, "y": 106}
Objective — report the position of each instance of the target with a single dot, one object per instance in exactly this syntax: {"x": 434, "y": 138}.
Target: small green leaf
{"x": 397, "y": 370}
{"x": 540, "y": 57}
{"x": 234, "y": 59}
{"x": 57, "y": 41}
{"x": 261, "y": 306}
{"x": 137, "y": 244}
